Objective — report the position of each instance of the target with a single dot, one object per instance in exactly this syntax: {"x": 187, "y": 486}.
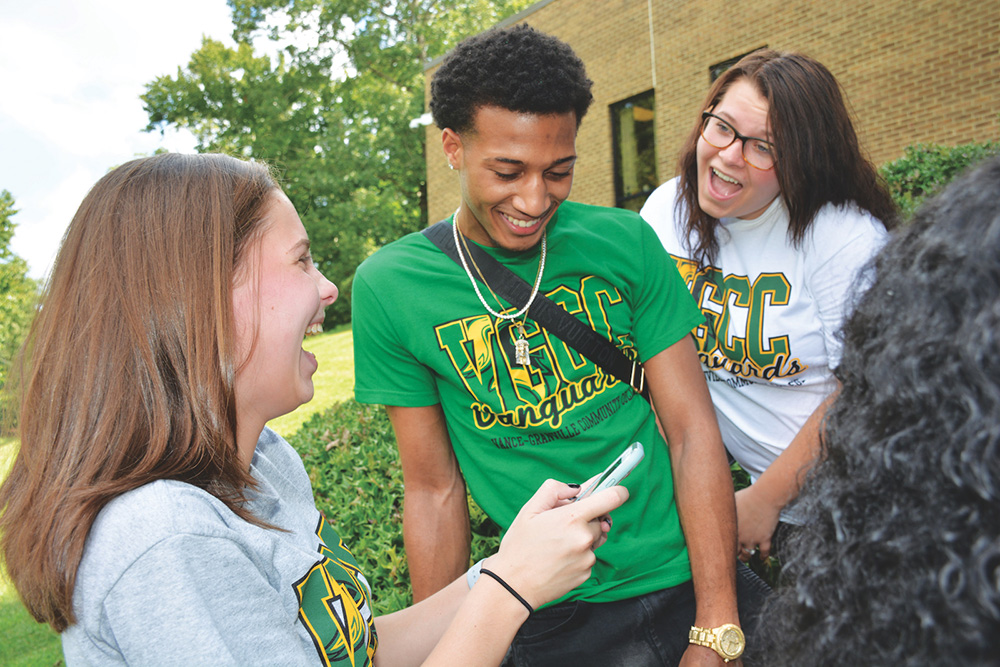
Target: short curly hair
{"x": 517, "y": 68}
{"x": 898, "y": 561}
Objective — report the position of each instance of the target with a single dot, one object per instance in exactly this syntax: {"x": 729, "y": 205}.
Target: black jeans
{"x": 651, "y": 629}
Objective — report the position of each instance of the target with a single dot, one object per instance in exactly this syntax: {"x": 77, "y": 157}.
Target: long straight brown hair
{"x": 818, "y": 161}
{"x": 127, "y": 375}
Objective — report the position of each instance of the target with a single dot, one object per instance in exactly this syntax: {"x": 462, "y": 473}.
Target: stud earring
{"x": 451, "y": 166}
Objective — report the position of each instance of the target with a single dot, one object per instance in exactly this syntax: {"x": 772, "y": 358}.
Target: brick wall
{"x": 912, "y": 70}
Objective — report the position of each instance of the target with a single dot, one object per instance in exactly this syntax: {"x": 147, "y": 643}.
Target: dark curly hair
{"x": 898, "y": 562}
{"x": 819, "y": 159}
{"x": 518, "y": 69}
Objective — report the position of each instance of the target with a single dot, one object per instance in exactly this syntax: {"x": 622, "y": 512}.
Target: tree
{"x": 331, "y": 110}
{"x": 18, "y": 296}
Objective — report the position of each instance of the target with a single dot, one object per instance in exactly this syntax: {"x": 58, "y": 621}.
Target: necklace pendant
{"x": 521, "y": 353}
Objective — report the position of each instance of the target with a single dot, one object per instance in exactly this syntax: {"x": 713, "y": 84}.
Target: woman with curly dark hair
{"x": 774, "y": 211}
{"x": 898, "y": 562}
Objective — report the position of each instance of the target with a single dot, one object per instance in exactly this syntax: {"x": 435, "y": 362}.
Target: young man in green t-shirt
{"x": 436, "y": 346}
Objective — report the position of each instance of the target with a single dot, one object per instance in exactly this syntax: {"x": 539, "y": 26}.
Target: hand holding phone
{"x": 617, "y": 471}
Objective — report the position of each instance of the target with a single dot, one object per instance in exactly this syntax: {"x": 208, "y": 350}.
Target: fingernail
{"x": 573, "y": 486}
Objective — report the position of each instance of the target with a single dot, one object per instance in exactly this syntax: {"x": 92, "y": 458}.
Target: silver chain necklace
{"x": 521, "y": 345}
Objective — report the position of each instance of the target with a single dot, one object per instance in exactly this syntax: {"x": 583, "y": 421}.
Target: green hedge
{"x": 350, "y": 454}
{"x": 926, "y": 168}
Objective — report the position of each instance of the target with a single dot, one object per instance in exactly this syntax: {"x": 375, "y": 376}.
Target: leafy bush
{"x": 350, "y": 454}
{"x": 926, "y": 168}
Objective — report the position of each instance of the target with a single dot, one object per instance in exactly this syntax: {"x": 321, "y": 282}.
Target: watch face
{"x": 731, "y": 642}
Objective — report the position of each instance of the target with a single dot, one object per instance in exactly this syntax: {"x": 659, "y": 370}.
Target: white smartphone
{"x": 617, "y": 471}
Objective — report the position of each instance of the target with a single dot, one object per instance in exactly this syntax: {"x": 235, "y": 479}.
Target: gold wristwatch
{"x": 726, "y": 640}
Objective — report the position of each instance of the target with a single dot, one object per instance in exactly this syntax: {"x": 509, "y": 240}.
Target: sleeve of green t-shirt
{"x": 665, "y": 311}
{"x": 385, "y": 371}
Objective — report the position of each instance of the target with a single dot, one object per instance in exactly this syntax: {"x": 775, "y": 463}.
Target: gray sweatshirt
{"x": 171, "y": 576}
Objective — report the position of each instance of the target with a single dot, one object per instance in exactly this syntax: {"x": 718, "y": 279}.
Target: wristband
{"x": 508, "y": 587}
{"x": 472, "y": 575}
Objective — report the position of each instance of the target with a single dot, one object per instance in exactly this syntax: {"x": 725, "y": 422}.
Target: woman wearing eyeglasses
{"x": 774, "y": 212}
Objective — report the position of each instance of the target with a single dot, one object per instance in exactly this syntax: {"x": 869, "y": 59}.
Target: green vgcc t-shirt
{"x": 422, "y": 337}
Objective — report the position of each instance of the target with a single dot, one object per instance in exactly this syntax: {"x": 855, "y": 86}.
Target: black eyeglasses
{"x": 719, "y": 133}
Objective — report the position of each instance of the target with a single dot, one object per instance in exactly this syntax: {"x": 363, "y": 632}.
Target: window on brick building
{"x": 716, "y": 70}
{"x": 634, "y": 150}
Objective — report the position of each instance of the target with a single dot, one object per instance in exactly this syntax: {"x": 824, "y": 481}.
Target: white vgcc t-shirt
{"x": 773, "y": 313}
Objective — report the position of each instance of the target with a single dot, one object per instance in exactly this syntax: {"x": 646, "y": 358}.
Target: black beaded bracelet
{"x": 508, "y": 587}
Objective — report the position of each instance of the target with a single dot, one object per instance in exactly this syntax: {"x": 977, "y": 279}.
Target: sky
{"x": 71, "y": 72}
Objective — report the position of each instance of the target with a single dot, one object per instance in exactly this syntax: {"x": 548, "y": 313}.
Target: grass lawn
{"x": 24, "y": 642}
{"x": 333, "y": 381}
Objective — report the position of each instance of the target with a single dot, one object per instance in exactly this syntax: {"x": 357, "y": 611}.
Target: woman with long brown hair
{"x": 150, "y": 517}
{"x": 775, "y": 210}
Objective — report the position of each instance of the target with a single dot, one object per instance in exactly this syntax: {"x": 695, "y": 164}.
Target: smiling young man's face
{"x": 515, "y": 168}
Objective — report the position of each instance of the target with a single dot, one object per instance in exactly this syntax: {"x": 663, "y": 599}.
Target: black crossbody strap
{"x": 546, "y": 312}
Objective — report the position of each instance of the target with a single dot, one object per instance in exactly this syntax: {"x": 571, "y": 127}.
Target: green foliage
{"x": 18, "y": 296}
{"x": 331, "y": 111}
{"x": 350, "y": 454}
{"x": 7, "y": 225}
{"x": 741, "y": 478}
{"x": 926, "y": 168}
